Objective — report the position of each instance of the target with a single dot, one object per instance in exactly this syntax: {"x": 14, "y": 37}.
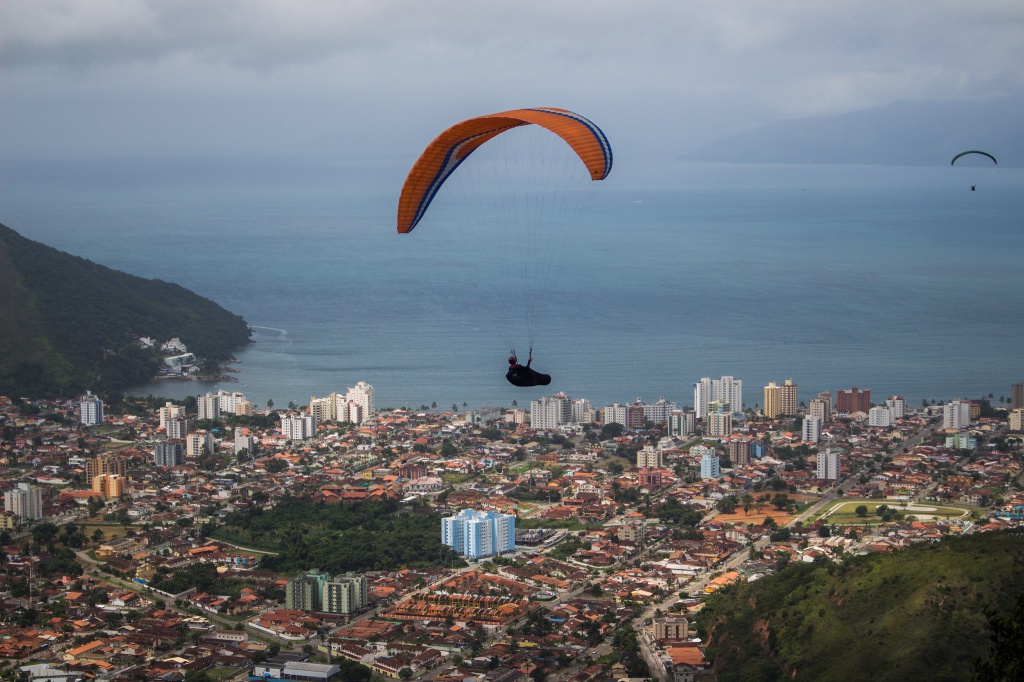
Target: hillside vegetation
{"x": 69, "y": 324}
{"x": 914, "y": 614}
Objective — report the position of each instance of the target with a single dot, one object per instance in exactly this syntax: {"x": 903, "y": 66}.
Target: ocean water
{"x": 895, "y": 279}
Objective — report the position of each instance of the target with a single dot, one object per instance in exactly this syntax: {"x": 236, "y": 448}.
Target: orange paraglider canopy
{"x": 449, "y": 149}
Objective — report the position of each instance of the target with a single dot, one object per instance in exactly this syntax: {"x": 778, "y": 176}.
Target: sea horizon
{"x": 895, "y": 279}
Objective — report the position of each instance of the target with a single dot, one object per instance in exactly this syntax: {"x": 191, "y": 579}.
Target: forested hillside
{"x": 69, "y": 324}
{"x": 914, "y": 614}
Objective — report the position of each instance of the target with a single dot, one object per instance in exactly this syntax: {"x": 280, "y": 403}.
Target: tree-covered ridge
{"x": 340, "y": 537}
{"x": 916, "y": 612}
{"x": 70, "y": 324}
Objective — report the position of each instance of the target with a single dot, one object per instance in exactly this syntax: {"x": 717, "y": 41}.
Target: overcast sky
{"x": 368, "y": 77}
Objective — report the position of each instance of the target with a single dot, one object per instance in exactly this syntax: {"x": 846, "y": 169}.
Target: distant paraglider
{"x": 973, "y": 151}
{"x": 974, "y": 185}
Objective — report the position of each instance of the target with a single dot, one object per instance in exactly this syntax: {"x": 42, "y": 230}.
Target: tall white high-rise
{"x": 658, "y": 412}
{"x": 176, "y": 427}
{"x": 582, "y": 412}
{"x": 230, "y": 403}
{"x": 615, "y": 414}
{"x": 880, "y": 415}
{"x": 682, "y": 422}
{"x": 209, "y": 406}
{"x": 812, "y": 429}
{"x": 828, "y": 465}
{"x": 551, "y": 412}
{"x": 170, "y": 411}
{"x": 25, "y": 501}
{"x": 898, "y": 405}
{"x": 956, "y": 414}
{"x": 91, "y": 410}
{"x": 297, "y": 427}
{"x": 475, "y": 534}
{"x": 728, "y": 390}
{"x": 701, "y": 397}
{"x": 361, "y": 395}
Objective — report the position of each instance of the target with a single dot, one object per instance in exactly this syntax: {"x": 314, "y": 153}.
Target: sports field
{"x": 844, "y": 512}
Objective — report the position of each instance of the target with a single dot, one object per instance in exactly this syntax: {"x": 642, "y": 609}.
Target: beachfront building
{"x": 853, "y": 400}
{"x": 90, "y": 410}
{"x": 710, "y": 466}
{"x": 360, "y": 402}
{"x": 702, "y": 396}
{"x": 772, "y": 401}
{"x": 780, "y": 401}
{"x": 898, "y": 405}
{"x": 25, "y": 501}
{"x": 297, "y": 427}
{"x": 956, "y": 414}
{"x": 682, "y": 422}
{"x": 615, "y": 414}
{"x": 1017, "y": 396}
{"x": 811, "y": 429}
{"x": 1017, "y": 420}
{"x": 209, "y": 407}
{"x": 475, "y": 534}
{"x": 707, "y": 390}
{"x": 169, "y": 453}
{"x": 828, "y": 465}
{"x": 551, "y": 412}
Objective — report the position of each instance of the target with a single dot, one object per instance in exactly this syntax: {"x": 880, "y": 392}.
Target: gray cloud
{"x": 234, "y": 75}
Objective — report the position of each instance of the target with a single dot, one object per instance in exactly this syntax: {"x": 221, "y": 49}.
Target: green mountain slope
{"x": 68, "y": 324}
{"x": 915, "y": 614}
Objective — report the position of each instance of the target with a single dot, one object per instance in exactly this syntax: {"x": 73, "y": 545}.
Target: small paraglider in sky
{"x": 974, "y": 184}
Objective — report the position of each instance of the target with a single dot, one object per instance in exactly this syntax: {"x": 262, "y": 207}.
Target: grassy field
{"x": 844, "y": 512}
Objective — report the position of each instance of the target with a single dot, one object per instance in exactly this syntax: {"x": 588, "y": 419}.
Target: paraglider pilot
{"x": 523, "y": 375}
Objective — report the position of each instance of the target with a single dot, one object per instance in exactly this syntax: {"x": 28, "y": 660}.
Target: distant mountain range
{"x": 903, "y": 133}
{"x": 68, "y": 325}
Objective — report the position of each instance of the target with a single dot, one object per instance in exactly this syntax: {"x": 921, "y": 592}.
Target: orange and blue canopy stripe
{"x": 449, "y": 149}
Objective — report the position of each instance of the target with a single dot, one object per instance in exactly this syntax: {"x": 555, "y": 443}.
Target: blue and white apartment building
{"x": 475, "y": 534}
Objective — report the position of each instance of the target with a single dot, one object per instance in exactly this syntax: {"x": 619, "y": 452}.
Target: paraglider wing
{"x": 449, "y": 149}
{"x": 973, "y": 151}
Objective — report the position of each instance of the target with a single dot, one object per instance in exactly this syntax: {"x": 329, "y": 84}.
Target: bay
{"x": 896, "y": 279}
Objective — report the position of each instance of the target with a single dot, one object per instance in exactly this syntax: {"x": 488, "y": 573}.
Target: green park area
{"x": 856, "y": 512}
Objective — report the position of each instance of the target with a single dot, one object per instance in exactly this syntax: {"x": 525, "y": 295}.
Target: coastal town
{"x": 572, "y": 543}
